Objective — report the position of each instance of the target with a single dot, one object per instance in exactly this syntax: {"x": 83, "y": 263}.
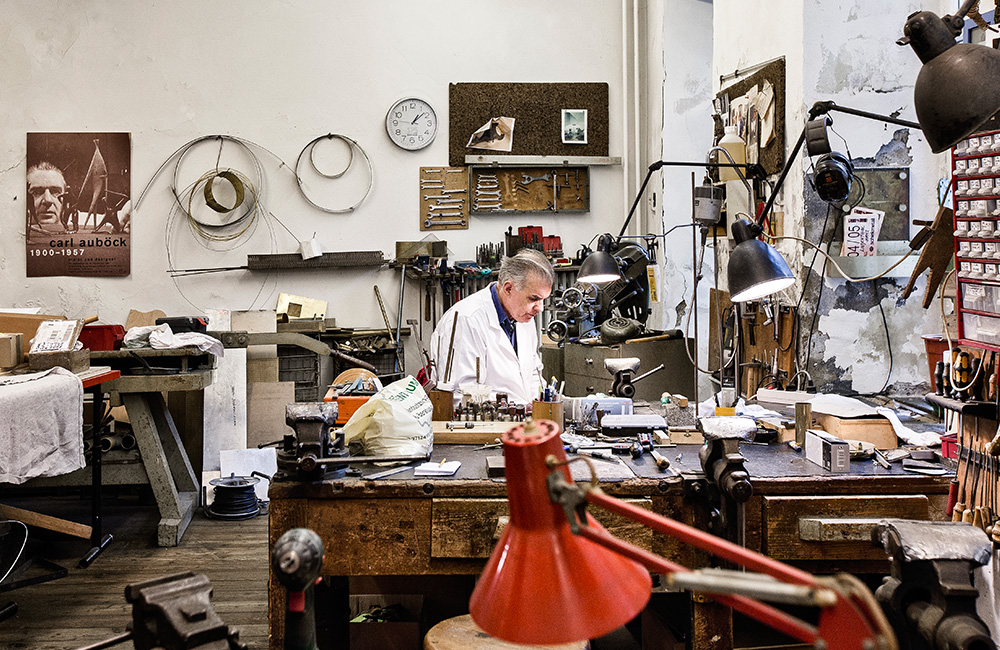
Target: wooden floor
{"x": 89, "y": 605}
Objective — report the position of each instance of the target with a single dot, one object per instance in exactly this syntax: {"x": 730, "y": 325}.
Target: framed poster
{"x": 78, "y": 210}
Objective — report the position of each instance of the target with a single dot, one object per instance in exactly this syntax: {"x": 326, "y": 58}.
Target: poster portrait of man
{"x": 78, "y": 209}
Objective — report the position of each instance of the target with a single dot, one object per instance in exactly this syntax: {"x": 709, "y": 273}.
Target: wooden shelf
{"x": 977, "y": 409}
{"x": 541, "y": 161}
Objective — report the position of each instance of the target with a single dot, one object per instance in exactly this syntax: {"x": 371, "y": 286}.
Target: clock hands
{"x": 417, "y": 118}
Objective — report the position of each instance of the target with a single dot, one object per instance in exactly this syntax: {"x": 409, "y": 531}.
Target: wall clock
{"x": 411, "y": 123}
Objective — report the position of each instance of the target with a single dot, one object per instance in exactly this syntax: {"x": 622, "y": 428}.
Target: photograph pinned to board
{"x": 78, "y": 205}
{"x": 574, "y": 126}
{"x": 495, "y": 135}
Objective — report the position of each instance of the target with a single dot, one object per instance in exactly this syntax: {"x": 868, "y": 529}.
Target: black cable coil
{"x": 235, "y": 498}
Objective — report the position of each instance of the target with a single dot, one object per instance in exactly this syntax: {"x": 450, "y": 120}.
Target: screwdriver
{"x": 661, "y": 460}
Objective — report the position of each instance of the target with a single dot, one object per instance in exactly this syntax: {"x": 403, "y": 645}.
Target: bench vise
{"x": 299, "y": 454}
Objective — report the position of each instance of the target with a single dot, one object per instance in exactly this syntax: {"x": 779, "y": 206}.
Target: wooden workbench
{"x": 160, "y": 459}
{"x": 447, "y": 526}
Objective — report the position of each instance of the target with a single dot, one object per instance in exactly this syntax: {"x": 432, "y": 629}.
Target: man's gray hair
{"x": 46, "y": 166}
{"x": 525, "y": 262}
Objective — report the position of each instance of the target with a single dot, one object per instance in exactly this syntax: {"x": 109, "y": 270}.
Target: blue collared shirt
{"x": 505, "y": 322}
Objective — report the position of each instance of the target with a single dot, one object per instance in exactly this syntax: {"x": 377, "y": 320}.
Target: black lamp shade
{"x": 599, "y": 267}
{"x": 755, "y": 268}
{"x": 958, "y": 87}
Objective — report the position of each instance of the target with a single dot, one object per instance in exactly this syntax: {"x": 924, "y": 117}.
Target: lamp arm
{"x": 965, "y": 8}
{"x": 785, "y": 623}
{"x": 652, "y": 168}
{"x": 858, "y": 619}
{"x": 829, "y": 106}
{"x": 668, "y": 163}
{"x": 822, "y": 108}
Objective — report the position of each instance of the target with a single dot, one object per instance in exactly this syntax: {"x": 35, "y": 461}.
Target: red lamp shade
{"x": 544, "y": 585}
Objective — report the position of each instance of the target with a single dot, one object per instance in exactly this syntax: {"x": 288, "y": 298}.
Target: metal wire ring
{"x": 312, "y": 155}
{"x": 352, "y": 143}
{"x": 187, "y": 205}
{"x": 238, "y": 187}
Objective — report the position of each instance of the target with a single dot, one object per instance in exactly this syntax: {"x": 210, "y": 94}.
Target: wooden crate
{"x": 877, "y": 431}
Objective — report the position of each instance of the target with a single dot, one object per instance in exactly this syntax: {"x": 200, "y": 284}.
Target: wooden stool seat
{"x": 460, "y": 633}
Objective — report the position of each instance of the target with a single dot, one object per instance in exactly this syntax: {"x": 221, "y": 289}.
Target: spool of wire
{"x": 235, "y": 498}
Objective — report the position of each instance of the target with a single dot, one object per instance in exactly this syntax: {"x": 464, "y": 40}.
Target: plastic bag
{"x": 396, "y": 421}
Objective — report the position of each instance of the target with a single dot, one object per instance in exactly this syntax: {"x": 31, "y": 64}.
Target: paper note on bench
{"x": 437, "y": 469}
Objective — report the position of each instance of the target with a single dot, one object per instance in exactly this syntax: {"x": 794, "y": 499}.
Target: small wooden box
{"x": 11, "y": 350}
{"x": 877, "y": 430}
{"x": 74, "y": 360}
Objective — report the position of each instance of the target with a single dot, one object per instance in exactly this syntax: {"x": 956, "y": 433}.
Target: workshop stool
{"x": 460, "y": 633}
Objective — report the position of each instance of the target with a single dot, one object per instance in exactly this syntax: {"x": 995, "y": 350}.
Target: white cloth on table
{"x": 41, "y": 425}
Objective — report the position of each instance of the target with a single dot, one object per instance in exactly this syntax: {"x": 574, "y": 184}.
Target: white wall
{"x": 687, "y": 136}
{"x": 846, "y": 52}
{"x": 851, "y": 57}
{"x": 280, "y": 74}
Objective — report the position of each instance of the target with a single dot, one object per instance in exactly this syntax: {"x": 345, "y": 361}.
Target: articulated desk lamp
{"x": 761, "y": 269}
{"x": 956, "y": 92}
{"x": 556, "y": 576}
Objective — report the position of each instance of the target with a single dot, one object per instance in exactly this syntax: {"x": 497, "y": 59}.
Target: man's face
{"x": 523, "y": 304}
{"x": 46, "y": 188}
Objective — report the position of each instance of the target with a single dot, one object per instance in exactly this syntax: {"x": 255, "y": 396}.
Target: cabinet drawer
{"x": 469, "y": 528}
{"x": 784, "y": 537}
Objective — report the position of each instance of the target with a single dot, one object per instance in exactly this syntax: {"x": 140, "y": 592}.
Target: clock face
{"x": 411, "y": 123}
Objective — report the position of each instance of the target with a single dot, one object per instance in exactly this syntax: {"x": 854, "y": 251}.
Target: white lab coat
{"x": 479, "y": 335}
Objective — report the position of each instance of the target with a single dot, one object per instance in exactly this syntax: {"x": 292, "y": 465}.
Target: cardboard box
{"x": 828, "y": 451}
{"x": 26, "y": 324}
{"x": 11, "y": 350}
{"x": 402, "y": 635}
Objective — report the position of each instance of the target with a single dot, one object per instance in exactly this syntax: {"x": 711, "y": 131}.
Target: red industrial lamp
{"x": 556, "y": 576}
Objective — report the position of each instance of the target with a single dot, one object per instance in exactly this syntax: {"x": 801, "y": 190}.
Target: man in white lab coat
{"x": 495, "y": 335}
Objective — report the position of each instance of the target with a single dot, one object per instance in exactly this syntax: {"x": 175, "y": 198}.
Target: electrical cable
{"x": 951, "y": 353}
{"x": 888, "y": 344}
{"x": 352, "y": 144}
{"x": 687, "y": 322}
{"x": 837, "y": 266}
{"x": 17, "y": 557}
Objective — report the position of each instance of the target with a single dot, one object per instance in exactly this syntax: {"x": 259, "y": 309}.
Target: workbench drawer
{"x": 832, "y": 527}
{"x": 469, "y": 528}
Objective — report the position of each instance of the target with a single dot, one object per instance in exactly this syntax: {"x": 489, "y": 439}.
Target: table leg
{"x": 711, "y": 624}
{"x": 95, "y": 465}
{"x": 167, "y": 467}
{"x": 333, "y": 606}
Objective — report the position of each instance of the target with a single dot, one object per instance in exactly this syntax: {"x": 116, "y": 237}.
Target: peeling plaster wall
{"x": 687, "y": 135}
{"x": 850, "y": 57}
{"x": 280, "y": 74}
{"x": 845, "y": 52}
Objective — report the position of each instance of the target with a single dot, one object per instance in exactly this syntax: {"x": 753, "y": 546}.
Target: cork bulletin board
{"x": 772, "y": 157}
{"x": 536, "y": 107}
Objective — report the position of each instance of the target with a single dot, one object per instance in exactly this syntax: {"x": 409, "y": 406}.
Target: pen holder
{"x": 444, "y": 405}
{"x": 548, "y": 411}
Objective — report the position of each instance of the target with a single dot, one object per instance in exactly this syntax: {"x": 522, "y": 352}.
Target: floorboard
{"x": 88, "y": 605}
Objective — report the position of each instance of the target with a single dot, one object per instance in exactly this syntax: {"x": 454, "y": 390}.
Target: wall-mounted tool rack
{"x": 529, "y": 189}
{"x": 444, "y": 198}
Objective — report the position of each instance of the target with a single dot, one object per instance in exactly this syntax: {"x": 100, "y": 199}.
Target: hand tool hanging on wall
{"x": 388, "y": 328}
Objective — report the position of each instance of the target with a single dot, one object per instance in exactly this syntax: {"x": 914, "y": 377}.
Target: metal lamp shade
{"x": 755, "y": 268}
{"x": 958, "y": 87}
{"x": 598, "y": 267}
{"x": 956, "y": 92}
{"x": 542, "y": 584}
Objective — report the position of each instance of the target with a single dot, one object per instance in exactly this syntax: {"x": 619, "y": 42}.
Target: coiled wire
{"x": 235, "y": 499}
